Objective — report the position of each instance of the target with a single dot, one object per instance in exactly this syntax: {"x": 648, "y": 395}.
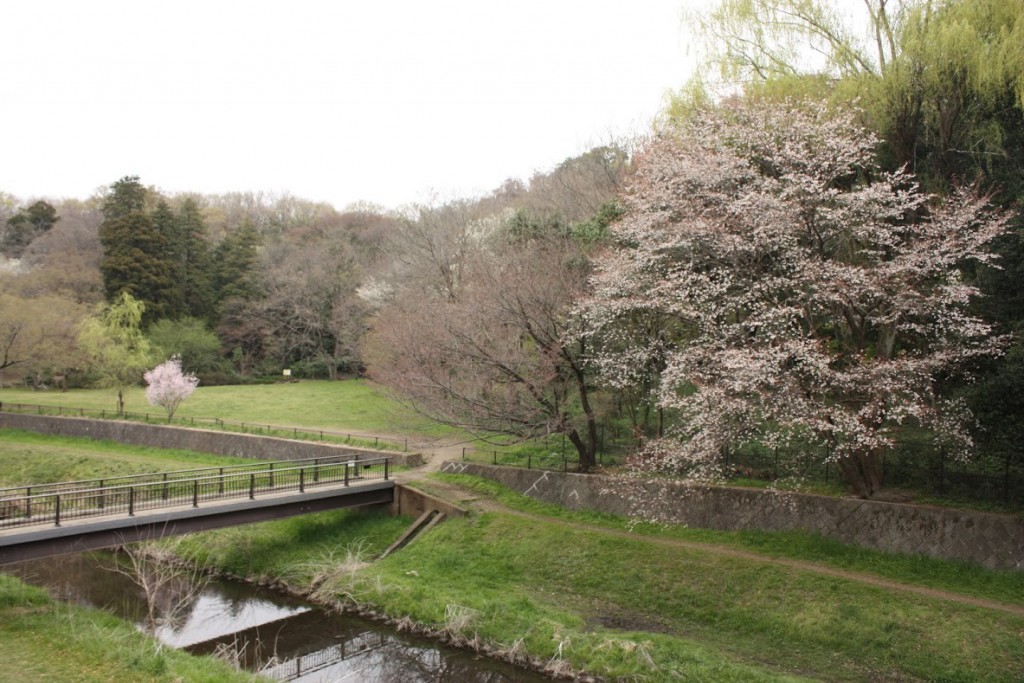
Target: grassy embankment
{"x": 577, "y": 590}
{"x": 573, "y": 589}
{"x": 44, "y": 640}
{"x": 352, "y": 406}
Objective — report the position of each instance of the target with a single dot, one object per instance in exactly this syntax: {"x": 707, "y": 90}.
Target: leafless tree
{"x": 168, "y": 586}
{"x": 499, "y": 358}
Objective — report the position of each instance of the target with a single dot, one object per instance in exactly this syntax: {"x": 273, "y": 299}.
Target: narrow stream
{"x": 280, "y": 637}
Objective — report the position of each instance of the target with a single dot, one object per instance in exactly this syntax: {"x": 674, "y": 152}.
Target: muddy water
{"x": 280, "y": 637}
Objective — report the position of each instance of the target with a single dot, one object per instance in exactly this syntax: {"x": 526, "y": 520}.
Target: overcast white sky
{"x": 388, "y": 101}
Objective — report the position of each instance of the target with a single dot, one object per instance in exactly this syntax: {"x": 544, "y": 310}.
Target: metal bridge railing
{"x": 126, "y": 479}
{"x": 128, "y": 499}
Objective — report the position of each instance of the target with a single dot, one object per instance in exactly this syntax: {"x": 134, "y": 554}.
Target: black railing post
{"x": 386, "y": 461}
{"x": 252, "y": 485}
{"x": 195, "y": 492}
{"x": 463, "y": 454}
{"x": 165, "y": 494}
{"x": 220, "y": 485}
{"x": 271, "y": 478}
{"x": 131, "y": 501}
{"x": 102, "y": 495}
{"x": 316, "y": 470}
{"x": 346, "y": 472}
{"x": 302, "y": 480}
{"x": 28, "y": 501}
{"x": 56, "y": 510}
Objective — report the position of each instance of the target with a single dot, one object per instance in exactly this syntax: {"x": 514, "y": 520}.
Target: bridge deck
{"x": 90, "y": 518}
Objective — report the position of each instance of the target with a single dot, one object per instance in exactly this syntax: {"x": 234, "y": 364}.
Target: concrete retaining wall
{"x": 995, "y": 541}
{"x": 204, "y": 440}
{"x": 412, "y": 502}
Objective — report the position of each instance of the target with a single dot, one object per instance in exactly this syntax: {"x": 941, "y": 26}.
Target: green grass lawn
{"x": 572, "y": 589}
{"x": 28, "y": 457}
{"x": 599, "y": 600}
{"x": 350, "y": 405}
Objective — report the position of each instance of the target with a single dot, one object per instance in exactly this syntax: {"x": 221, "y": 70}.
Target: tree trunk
{"x": 586, "y": 449}
{"x": 863, "y": 471}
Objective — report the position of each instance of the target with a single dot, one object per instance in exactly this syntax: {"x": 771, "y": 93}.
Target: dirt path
{"x": 481, "y": 504}
{"x": 436, "y": 452}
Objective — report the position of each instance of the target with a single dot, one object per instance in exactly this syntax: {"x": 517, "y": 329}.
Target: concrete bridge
{"x": 67, "y": 517}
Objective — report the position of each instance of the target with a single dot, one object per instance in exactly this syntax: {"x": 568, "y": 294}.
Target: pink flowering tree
{"x": 168, "y": 386}
{"x": 805, "y": 298}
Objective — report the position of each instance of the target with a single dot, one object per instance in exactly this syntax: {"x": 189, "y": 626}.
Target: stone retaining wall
{"x": 203, "y": 440}
{"x": 995, "y": 541}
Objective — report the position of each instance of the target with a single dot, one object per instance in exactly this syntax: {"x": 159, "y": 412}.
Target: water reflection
{"x": 279, "y": 637}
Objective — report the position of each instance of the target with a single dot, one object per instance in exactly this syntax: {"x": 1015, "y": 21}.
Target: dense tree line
{"x": 245, "y": 284}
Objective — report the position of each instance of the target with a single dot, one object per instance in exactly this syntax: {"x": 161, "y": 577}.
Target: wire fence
{"x": 263, "y": 429}
{"x": 915, "y": 465}
{"x": 534, "y": 457}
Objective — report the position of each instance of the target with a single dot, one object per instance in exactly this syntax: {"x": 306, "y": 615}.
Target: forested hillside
{"x": 829, "y": 272}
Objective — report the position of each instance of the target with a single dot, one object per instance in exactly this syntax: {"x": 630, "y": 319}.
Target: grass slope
{"x": 44, "y": 640}
{"x": 629, "y": 606}
{"x": 354, "y": 405}
{"x": 27, "y": 457}
{"x": 916, "y": 570}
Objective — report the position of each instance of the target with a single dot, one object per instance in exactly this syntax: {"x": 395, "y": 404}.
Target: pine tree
{"x": 134, "y": 250}
{"x": 196, "y": 264}
{"x": 236, "y": 259}
{"x": 171, "y": 299}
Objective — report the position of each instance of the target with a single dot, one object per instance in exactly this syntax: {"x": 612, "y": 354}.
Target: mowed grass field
{"x": 566, "y": 589}
{"x": 28, "y": 457}
{"x": 348, "y": 405}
